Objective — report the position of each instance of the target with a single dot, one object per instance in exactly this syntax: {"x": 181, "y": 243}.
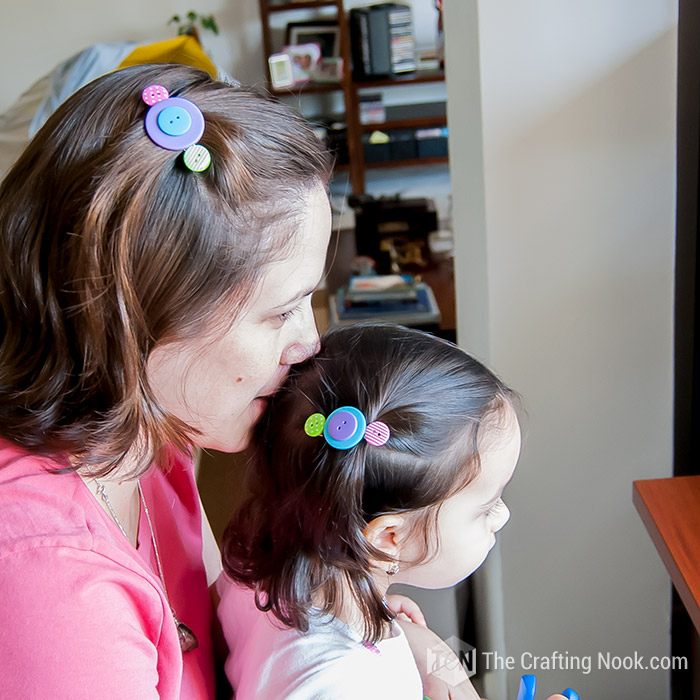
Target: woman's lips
{"x": 268, "y": 392}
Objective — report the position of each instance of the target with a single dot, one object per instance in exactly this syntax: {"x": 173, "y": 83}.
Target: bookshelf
{"x": 351, "y": 89}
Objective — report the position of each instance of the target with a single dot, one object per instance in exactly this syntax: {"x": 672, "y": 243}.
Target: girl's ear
{"x": 387, "y": 533}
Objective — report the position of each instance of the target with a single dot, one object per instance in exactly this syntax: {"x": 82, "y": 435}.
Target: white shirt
{"x": 268, "y": 661}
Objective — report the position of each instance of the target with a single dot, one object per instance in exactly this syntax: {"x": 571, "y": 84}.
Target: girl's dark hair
{"x": 299, "y": 540}
{"x": 111, "y": 246}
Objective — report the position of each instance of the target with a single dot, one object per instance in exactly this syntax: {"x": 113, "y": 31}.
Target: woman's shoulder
{"x": 40, "y": 507}
{"x": 46, "y": 513}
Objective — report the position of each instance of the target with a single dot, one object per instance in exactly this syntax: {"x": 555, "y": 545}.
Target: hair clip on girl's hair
{"x": 176, "y": 124}
{"x": 346, "y": 427}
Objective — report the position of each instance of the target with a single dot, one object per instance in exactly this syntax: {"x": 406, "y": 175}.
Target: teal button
{"x": 174, "y": 121}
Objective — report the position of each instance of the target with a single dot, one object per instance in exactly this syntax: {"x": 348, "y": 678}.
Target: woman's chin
{"x": 228, "y": 446}
{"x": 240, "y": 435}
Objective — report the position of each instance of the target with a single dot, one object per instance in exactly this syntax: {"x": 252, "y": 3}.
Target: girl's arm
{"x": 427, "y": 646}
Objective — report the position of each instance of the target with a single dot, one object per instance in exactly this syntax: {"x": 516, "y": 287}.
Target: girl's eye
{"x": 288, "y": 314}
{"x": 496, "y": 507}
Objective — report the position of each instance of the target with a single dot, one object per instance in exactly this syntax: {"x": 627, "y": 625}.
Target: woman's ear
{"x": 387, "y": 533}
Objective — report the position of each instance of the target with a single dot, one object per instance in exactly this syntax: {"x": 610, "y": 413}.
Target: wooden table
{"x": 670, "y": 510}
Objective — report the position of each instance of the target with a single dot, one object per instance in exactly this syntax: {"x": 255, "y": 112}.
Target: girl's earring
{"x": 393, "y": 569}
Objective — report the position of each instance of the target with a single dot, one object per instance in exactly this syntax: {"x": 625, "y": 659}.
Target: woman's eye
{"x": 288, "y": 314}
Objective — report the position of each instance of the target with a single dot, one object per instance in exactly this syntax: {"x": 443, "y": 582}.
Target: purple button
{"x": 175, "y": 142}
{"x": 342, "y": 426}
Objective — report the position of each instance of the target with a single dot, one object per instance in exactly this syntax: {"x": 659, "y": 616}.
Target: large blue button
{"x": 174, "y": 121}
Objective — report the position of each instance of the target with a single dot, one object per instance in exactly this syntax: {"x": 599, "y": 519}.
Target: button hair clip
{"x": 346, "y": 427}
{"x": 176, "y": 124}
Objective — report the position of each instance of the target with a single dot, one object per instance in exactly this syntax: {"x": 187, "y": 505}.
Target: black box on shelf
{"x": 416, "y": 110}
{"x": 402, "y": 145}
{"x": 431, "y": 143}
{"x": 381, "y": 38}
{"x": 375, "y": 152}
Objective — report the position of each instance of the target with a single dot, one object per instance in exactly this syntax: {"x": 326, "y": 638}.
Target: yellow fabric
{"x": 183, "y": 49}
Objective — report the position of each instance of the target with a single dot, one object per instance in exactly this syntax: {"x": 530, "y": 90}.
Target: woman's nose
{"x": 305, "y": 344}
{"x": 298, "y": 352}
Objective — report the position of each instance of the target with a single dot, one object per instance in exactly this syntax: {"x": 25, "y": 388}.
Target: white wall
{"x": 41, "y": 33}
{"x": 563, "y": 178}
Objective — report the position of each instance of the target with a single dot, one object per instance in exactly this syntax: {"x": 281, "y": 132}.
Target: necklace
{"x": 187, "y": 638}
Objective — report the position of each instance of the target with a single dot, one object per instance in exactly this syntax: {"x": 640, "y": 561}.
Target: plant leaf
{"x": 210, "y": 23}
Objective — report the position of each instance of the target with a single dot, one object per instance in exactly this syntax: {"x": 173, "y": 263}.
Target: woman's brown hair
{"x": 299, "y": 539}
{"x": 111, "y": 246}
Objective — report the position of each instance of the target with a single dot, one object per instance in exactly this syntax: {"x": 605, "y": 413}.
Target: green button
{"x": 314, "y": 424}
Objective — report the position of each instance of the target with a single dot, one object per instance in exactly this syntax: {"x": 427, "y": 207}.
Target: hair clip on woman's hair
{"x": 346, "y": 427}
{"x": 176, "y": 124}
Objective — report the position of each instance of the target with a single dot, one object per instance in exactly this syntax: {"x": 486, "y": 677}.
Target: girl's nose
{"x": 503, "y": 518}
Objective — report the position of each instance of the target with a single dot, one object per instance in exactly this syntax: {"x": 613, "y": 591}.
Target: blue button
{"x": 174, "y": 121}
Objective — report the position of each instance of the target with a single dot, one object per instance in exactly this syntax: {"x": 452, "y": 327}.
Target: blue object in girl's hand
{"x": 528, "y": 685}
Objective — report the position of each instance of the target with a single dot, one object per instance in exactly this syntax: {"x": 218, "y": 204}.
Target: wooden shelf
{"x": 350, "y": 90}
{"x": 427, "y": 76}
{"x": 670, "y": 510}
{"x": 409, "y": 123}
{"x": 307, "y": 4}
{"x": 408, "y": 163}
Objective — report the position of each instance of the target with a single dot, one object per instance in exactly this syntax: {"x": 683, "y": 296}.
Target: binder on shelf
{"x": 382, "y": 40}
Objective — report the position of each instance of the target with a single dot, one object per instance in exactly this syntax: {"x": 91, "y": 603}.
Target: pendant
{"x": 188, "y": 640}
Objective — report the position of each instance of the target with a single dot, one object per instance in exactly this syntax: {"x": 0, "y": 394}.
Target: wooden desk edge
{"x": 691, "y": 604}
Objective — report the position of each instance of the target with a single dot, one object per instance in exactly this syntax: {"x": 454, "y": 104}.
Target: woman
{"x": 146, "y": 308}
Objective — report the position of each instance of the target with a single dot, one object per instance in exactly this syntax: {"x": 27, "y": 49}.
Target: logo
{"x": 450, "y": 660}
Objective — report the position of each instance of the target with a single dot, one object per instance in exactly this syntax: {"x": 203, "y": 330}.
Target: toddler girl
{"x": 381, "y": 460}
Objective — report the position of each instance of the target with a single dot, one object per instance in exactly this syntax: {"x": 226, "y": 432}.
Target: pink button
{"x": 377, "y": 433}
{"x": 342, "y": 426}
{"x": 153, "y": 94}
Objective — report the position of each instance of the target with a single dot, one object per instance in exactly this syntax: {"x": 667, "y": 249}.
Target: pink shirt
{"x": 82, "y": 613}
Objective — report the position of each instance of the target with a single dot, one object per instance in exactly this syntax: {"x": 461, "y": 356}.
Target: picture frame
{"x": 329, "y": 70}
{"x": 304, "y": 59}
{"x": 323, "y": 32}
{"x": 281, "y": 73}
